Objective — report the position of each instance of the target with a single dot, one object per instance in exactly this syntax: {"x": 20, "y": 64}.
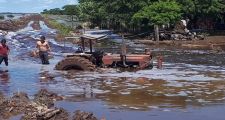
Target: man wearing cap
{"x": 43, "y": 48}
{"x": 4, "y": 50}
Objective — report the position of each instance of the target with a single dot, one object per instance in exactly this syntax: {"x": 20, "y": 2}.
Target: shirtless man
{"x": 43, "y": 48}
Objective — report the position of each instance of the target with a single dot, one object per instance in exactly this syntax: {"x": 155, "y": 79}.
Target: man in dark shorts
{"x": 4, "y": 51}
{"x": 43, "y": 48}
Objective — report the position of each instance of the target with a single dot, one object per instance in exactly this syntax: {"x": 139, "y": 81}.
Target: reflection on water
{"x": 4, "y": 81}
{"x": 142, "y": 93}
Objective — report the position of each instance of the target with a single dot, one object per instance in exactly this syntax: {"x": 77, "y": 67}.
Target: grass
{"x": 63, "y": 29}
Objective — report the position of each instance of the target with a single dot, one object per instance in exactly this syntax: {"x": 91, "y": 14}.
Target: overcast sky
{"x": 32, "y": 6}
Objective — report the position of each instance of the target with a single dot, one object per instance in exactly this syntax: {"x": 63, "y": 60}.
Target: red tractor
{"x": 90, "y": 60}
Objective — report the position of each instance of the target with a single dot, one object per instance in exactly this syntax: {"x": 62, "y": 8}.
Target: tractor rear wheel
{"x": 75, "y": 63}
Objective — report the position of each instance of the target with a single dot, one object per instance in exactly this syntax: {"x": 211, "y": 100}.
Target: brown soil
{"x": 41, "y": 108}
{"x": 210, "y": 43}
{"x": 43, "y": 97}
{"x": 80, "y": 115}
{"x": 14, "y": 106}
{"x": 36, "y": 25}
{"x": 14, "y": 25}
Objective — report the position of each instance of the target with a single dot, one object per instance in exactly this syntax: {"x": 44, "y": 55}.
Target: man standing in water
{"x": 43, "y": 48}
{"x": 4, "y": 51}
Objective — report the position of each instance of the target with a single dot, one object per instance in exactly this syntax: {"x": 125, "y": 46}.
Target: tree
{"x": 116, "y": 14}
{"x": 203, "y": 10}
{"x": 120, "y": 12}
{"x": 160, "y": 13}
{"x": 90, "y": 11}
{"x": 70, "y": 9}
{"x": 45, "y": 11}
{"x": 134, "y": 15}
{"x": 55, "y": 11}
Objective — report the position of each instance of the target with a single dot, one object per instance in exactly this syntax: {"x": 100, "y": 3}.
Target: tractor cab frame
{"x": 82, "y": 60}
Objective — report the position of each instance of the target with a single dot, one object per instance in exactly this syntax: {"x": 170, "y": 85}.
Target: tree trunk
{"x": 156, "y": 29}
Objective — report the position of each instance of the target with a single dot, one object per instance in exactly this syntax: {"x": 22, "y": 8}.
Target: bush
{"x": 10, "y": 16}
{"x": 2, "y": 17}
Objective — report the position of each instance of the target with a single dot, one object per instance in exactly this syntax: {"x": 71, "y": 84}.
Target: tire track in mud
{"x": 15, "y": 25}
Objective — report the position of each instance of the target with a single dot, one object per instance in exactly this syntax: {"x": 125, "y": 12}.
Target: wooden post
{"x": 156, "y": 29}
{"x": 123, "y": 52}
{"x": 90, "y": 42}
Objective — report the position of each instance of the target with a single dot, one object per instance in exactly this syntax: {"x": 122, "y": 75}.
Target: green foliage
{"x": 136, "y": 14}
{"x": 55, "y": 11}
{"x": 63, "y": 29}
{"x": 160, "y": 13}
{"x": 121, "y": 11}
{"x": 66, "y": 10}
{"x": 10, "y": 16}
{"x": 2, "y": 17}
{"x": 187, "y": 6}
{"x": 203, "y": 8}
{"x": 111, "y": 12}
{"x": 88, "y": 10}
{"x": 70, "y": 9}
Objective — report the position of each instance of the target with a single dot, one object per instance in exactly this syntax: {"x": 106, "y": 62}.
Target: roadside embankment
{"x": 63, "y": 30}
{"x": 215, "y": 43}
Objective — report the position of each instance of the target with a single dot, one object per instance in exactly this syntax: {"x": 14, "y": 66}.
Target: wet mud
{"x": 19, "y": 103}
{"x": 36, "y": 25}
{"x": 80, "y": 115}
{"x": 214, "y": 44}
{"x": 39, "y": 108}
{"x": 14, "y": 25}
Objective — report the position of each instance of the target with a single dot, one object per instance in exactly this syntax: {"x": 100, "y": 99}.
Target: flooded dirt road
{"x": 190, "y": 86}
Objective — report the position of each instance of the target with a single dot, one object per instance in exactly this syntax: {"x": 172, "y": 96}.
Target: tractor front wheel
{"x": 75, "y": 63}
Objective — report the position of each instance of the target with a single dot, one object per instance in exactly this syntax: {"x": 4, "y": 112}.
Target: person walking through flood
{"x": 44, "y": 49}
{"x": 4, "y": 51}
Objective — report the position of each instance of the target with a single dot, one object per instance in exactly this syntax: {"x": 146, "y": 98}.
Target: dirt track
{"x": 210, "y": 43}
{"x": 14, "y": 25}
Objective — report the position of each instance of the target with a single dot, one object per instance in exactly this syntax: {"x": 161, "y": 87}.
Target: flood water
{"x": 190, "y": 86}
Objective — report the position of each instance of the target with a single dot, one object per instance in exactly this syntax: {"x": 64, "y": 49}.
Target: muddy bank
{"x": 215, "y": 43}
{"x": 14, "y": 25}
{"x": 36, "y": 25}
{"x": 40, "y": 108}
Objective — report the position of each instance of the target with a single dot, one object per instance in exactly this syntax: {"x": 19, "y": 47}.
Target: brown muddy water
{"x": 190, "y": 86}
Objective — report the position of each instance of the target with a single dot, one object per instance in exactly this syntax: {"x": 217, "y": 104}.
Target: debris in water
{"x": 80, "y": 115}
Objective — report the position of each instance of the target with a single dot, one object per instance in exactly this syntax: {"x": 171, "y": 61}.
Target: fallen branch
{"x": 48, "y": 114}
